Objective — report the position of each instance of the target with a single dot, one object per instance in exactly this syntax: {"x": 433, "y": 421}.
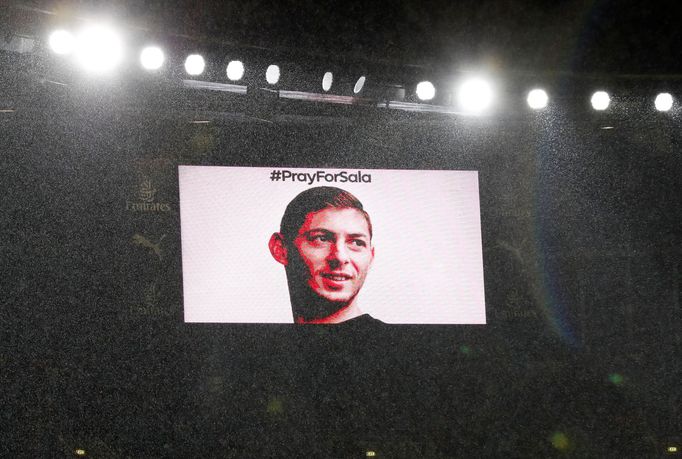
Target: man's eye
{"x": 359, "y": 243}
{"x": 320, "y": 238}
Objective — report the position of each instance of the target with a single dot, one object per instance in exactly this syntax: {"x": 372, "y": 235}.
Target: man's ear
{"x": 372, "y": 260}
{"x": 278, "y": 249}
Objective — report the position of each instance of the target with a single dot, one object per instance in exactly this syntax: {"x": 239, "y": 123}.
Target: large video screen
{"x": 326, "y": 246}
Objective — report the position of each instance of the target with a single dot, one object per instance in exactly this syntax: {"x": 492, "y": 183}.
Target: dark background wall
{"x": 581, "y": 249}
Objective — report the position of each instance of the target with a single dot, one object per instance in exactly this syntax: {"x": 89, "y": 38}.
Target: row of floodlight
{"x": 99, "y": 49}
{"x": 601, "y": 100}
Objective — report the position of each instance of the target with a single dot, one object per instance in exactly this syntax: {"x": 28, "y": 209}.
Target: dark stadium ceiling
{"x": 575, "y": 36}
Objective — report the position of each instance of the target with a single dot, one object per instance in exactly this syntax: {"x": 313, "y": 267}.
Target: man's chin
{"x": 325, "y": 304}
{"x": 335, "y": 298}
{"x": 316, "y": 302}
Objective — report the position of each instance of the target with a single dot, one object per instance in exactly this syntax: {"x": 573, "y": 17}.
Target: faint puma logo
{"x": 516, "y": 251}
{"x": 139, "y": 239}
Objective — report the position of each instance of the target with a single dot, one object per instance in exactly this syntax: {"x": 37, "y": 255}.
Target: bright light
{"x": 99, "y": 49}
{"x": 235, "y": 70}
{"x": 537, "y": 99}
{"x": 152, "y": 58}
{"x": 194, "y": 64}
{"x": 475, "y": 95}
{"x": 359, "y": 85}
{"x": 327, "y": 81}
{"x": 426, "y": 90}
{"x": 272, "y": 74}
{"x": 62, "y": 42}
{"x": 664, "y": 102}
{"x": 600, "y": 100}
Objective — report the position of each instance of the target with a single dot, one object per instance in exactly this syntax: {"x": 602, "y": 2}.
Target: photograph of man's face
{"x": 326, "y": 258}
{"x": 336, "y": 248}
{"x": 403, "y": 247}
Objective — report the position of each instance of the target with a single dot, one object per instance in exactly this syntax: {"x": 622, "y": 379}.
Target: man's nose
{"x": 338, "y": 254}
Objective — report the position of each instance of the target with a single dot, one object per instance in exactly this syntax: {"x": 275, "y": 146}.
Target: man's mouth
{"x": 337, "y": 277}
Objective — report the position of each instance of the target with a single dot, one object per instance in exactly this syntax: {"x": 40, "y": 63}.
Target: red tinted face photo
{"x": 318, "y": 264}
{"x": 335, "y": 246}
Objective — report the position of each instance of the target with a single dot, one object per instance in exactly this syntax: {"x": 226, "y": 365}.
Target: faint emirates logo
{"x": 147, "y": 191}
{"x": 151, "y": 302}
{"x": 145, "y": 199}
{"x": 152, "y": 295}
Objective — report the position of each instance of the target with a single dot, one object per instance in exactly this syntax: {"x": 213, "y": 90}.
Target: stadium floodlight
{"x": 600, "y": 100}
{"x": 359, "y": 85}
{"x": 663, "y": 102}
{"x": 99, "y": 48}
{"x": 152, "y": 58}
{"x": 537, "y": 99}
{"x": 62, "y": 42}
{"x": 272, "y": 74}
{"x": 327, "y": 81}
{"x": 235, "y": 70}
{"x": 195, "y": 64}
{"x": 426, "y": 90}
{"x": 475, "y": 95}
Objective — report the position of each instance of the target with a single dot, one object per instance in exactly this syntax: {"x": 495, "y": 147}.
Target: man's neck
{"x": 349, "y": 312}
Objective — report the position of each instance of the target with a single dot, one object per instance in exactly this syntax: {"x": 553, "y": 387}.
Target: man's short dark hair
{"x": 314, "y": 200}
